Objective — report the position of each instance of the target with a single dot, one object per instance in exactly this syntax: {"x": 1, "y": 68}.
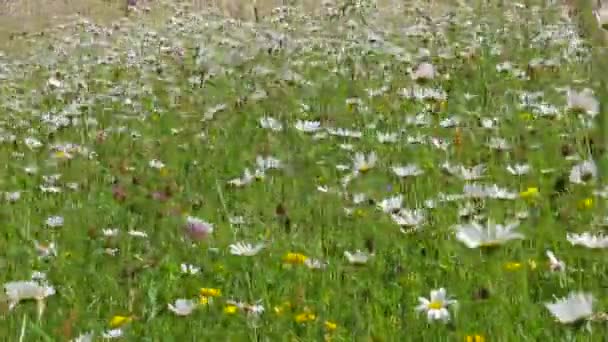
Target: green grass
{"x": 373, "y": 302}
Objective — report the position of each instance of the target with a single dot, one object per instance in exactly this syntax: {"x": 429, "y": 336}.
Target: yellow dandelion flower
{"x": 532, "y": 264}
{"x": 587, "y": 203}
{"x": 330, "y": 326}
{"x": 513, "y": 266}
{"x": 204, "y": 300}
{"x": 230, "y": 309}
{"x": 529, "y": 194}
{"x": 118, "y": 321}
{"x": 210, "y": 292}
{"x": 526, "y": 116}
{"x": 295, "y": 258}
{"x": 474, "y": 338}
{"x": 305, "y": 317}
{"x": 360, "y": 212}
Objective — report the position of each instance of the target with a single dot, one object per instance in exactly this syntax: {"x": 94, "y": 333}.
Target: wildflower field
{"x": 413, "y": 173}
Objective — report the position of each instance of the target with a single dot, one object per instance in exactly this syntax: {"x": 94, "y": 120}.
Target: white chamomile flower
{"x": 32, "y": 143}
{"x": 17, "y": 291}
{"x": 583, "y": 101}
{"x": 86, "y": 337}
{"x": 113, "y": 333}
{"x": 156, "y": 164}
{"x": 391, "y": 204}
{"x": 189, "y": 269}
{"x": 245, "y": 249}
{"x": 271, "y": 123}
{"x": 362, "y": 164}
{"x": 387, "y": 138}
{"x": 575, "y": 307}
{"x": 138, "y": 233}
{"x": 588, "y": 240}
{"x": 409, "y": 218}
{"x": 268, "y": 163}
{"x": 499, "y": 144}
{"x": 518, "y": 169}
{"x": 182, "y": 307}
{"x": 358, "y": 257}
{"x": 54, "y": 222}
{"x": 583, "y": 172}
{"x": 474, "y": 235}
{"x": 436, "y": 308}
{"x": 110, "y": 232}
{"x": 424, "y": 71}
{"x": 410, "y": 170}
{"x": 308, "y": 126}
{"x": 245, "y": 179}
{"x": 555, "y": 265}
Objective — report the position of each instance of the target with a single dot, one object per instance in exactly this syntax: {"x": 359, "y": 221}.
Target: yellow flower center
{"x": 364, "y": 168}
{"x": 435, "y": 305}
{"x": 209, "y": 292}
{"x": 230, "y": 309}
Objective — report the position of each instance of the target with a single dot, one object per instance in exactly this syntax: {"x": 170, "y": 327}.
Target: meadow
{"x": 420, "y": 172}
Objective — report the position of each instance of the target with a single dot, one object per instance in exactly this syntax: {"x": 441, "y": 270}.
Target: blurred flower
{"x": 245, "y": 249}
{"x": 118, "y": 321}
{"x": 305, "y": 317}
{"x": 513, "y": 266}
{"x": 330, "y": 326}
{"x": 197, "y": 229}
{"x": 210, "y": 292}
{"x": 295, "y": 258}
{"x": 555, "y": 265}
{"x": 529, "y": 194}
{"x": 358, "y": 257}
{"x": 588, "y": 240}
{"x": 474, "y": 338}
{"x": 586, "y": 203}
{"x": 182, "y": 307}
{"x": 576, "y": 307}
{"x": 474, "y": 235}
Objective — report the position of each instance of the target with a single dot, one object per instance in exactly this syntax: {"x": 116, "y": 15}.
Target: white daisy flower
{"x": 110, "y": 232}
{"x": 436, "y": 308}
{"x": 409, "y": 218}
{"x": 555, "y": 265}
{"x": 424, "y": 71}
{"x": 268, "y": 163}
{"x": 588, "y": 240}
{"x": 182, "y": 307}
{"x": 245, "y": 179}
{"x": 583, "y": 172}
{"x": 583, "y": 101}
{"x": 387, "y": 138}
{"x": 343, "y": 132}
{"x": 114, "y": 333}
{"x": 474, "y": 235}
{"x": 391, "y": 204}
{"x": 16, "y": 291}
{"x": 575, "y": 307}
{"x": 156, "y": 164}
{"x": 519, "y": 169}
{"x": 245, "y": 249}
{"x": 86, "y": 337}
{"x": 32, "y": 143}
{"x": 271, "y": 123}
{"x": 499, "y": 144}
{"x": 45, "y": 250}
{"x": 358, "y": 257}
{"x": 54, "y": 222}
{"x": 190, "y": 269}
{"x": 410, "y": 170}
{"x": 138, "y": 233}
{"x": 361, "y": 163}
{"x": 12, "y": 196}
{"x": 314, "y": 263}
{"x": 308, "y": 126}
